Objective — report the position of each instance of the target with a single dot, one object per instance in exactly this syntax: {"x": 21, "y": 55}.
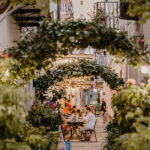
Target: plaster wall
{"x": 8, "y": 33}
{"x": 85, "y": 10}
{"x": 146, "y": 32}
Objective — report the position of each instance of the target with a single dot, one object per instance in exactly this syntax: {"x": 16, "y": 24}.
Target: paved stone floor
{"x": 92, "y": 145}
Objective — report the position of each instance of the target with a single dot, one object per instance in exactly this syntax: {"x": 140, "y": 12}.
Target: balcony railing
{"x": 102, "y": 59}
{"x": 111, "y": 12}
{"x": 28, "y": 16}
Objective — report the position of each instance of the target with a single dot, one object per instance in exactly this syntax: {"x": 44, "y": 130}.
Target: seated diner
{"x": 93, "y": 110}
{"x": 90, "y": 123}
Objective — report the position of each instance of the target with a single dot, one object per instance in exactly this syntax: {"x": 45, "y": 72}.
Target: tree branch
{"x": 9, "y": 12}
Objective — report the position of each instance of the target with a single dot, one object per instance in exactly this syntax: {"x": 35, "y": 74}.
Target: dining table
{"x": 74, "y": 124}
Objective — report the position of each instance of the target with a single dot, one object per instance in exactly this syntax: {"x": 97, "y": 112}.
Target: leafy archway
{"x": 39, "y": 48}
{"x": 77, "y": 69}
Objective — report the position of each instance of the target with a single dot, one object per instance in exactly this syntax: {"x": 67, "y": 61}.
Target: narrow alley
{"x": 93, "y": 145}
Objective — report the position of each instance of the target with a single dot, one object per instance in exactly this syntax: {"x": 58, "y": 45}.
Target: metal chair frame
{"x": 92, "y": 131}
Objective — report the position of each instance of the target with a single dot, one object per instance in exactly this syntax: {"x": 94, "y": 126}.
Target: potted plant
{"x": 132, "y": 118}
{"x": 43, "y": 115}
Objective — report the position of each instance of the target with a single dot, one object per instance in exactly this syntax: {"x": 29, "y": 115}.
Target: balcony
{"x": 111, "y": 12}
{"x": 27, "y": 16}
{"x": 102, "y": 59}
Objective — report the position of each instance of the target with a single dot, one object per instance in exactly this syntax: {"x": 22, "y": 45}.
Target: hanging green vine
{"x": 77, "y": 69}
{"x": 39, "y": 48}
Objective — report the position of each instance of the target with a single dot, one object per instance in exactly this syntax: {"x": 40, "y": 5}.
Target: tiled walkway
{"x": 92, "y": 145}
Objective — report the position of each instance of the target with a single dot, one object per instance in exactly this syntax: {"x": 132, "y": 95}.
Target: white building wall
{"x": 8, "y": 33}
{"x": 53, "y": 10}
{"x": 146, "y": 32}
{"x": 83, "y": 11}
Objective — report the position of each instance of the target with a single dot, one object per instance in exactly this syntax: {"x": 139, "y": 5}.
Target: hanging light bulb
{"x": 6, "y": 73}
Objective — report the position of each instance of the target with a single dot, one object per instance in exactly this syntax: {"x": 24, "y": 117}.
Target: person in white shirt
{"x": 90, "y": 123}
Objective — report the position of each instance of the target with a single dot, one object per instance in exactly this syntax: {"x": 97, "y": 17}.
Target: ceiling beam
{"x": 24, "y": 11}
{"x": 18, "y": 18}
{"x": 27, "y": 24}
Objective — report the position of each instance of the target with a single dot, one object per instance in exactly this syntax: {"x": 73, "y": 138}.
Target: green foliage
{"x": 39, "y": 48}
{"x": 98, "y": 98}
{"x": 35, "y": 138}
{"x": 56, "y": 94}
{"x": 77, "y": 69}
{"x": 11, "y": 144}
{"x": 6, "y": 77}
{"x": 132, "y": 113}
{"x": 140, "y": 139}
{"x": 99, "y": 16}
{"x": 128, "y": 97}
{"x": 53, "y": 142}
{"x": 132, "y": 99}
{"x": 113, "y": 133}
{"x": 42, "y": 115}
{"x": 12, "y": 112}
{"x": 97, "y": 106}
{"x": 14, "y": 134}
{"x": 42, "y": 4}
{"x": 11, "y": 108}
{"x": 139, "y": 8}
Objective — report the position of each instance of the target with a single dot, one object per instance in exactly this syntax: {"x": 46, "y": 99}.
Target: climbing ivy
{"x": 77, "y": 69}
{"x": 39, "y": 48}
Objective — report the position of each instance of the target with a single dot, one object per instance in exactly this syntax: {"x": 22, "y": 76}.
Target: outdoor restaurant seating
{"x": 75, "y": 120}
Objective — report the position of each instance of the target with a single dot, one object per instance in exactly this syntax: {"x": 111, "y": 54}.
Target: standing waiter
{"x": 103, "y": 109}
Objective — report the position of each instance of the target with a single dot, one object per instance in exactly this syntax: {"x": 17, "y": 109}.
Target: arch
{"x": 77, "y": 69}
{"x": 39, "y": 48}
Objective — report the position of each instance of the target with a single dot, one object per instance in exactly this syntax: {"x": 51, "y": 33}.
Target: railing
{"x": 103, "y": 59}
{"x": 111, "y": 11}
{"x": 66, "y": 9}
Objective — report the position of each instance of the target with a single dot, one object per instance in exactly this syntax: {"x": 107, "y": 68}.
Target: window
{"x": 81, "y": 2}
